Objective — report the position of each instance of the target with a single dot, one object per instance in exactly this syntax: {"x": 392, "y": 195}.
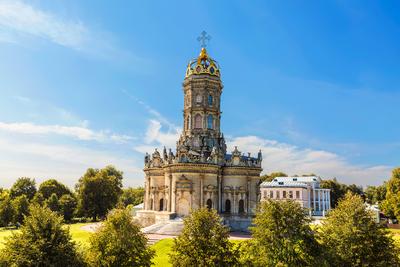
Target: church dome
{"x": 204, "y": 64}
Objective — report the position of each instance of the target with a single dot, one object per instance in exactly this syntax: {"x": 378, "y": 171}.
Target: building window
{"x": 298, "y": 194}
{"x": 151, "y": 204}
{"x": 210, "y": 100}
{"x": 227, "y": 205}
{"x": 284, "y": 194}
{"x": 198, "y": 99}
{"x": 210, "y": 122}
{"x": 271, "y": 194}
{"x": 209, "y": 204}
{"x": 265, "y": 194}
{"x": 290, "y": 194}
{"x": 277, "y": 194}
{"x": 161, "y": 204}
{"x": 198, "y": 121}
{"x": 241, "y": 206}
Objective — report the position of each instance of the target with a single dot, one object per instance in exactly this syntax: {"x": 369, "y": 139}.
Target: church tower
{"x": 202, "y": 88}
{"x": 201, "y": 173}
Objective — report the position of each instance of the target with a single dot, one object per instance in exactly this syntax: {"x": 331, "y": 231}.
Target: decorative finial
{"x": 203, "y": 38}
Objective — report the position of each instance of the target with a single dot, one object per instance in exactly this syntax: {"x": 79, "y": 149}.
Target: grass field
{"x": 78, "y": 235}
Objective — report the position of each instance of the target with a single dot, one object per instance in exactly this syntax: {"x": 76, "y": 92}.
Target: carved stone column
{"x": 170, "y": 192}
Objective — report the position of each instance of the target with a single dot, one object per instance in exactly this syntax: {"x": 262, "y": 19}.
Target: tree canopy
{"x": 351, "y": 236}
{"x": 23, "y": 186}
{"x": 52, "y": 186}
{"x": 203, "y": 241}
{"x": 41, "y": 241}
{"x": 98, "y": 191}
{"x": 132, "y": 196}
{"x": 281, "y": 237}
{"x": 119, "y": 242}
{"x": 391, "y": 205}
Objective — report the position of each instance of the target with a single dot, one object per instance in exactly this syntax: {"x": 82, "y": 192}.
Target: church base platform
{"x": 163, "y": 222}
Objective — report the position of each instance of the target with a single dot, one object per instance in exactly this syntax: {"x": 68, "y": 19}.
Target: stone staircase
{"x": 171, "y": 227}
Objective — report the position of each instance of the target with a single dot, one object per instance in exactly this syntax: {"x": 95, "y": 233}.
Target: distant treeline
{"x": 97, "y": 192}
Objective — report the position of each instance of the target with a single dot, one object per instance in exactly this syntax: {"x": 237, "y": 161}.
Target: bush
{"x": 119, "y": 242}
{"x": 42, "y": 241}
{"x": 203, "y": 242}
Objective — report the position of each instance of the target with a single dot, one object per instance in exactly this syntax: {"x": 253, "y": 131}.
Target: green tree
{"x": 132, "y": 196}
{"x": 6, "y": 211}
{"x": 351, "y": 236}
{"x": 203, "y": 242}
{"x": 281, "y": 237}
{"x": 98, "y": 191}
{"x": 391, "y": 205}
{"x": 23, "y": 186}
{"x": 41, "y": 241}
{"x": 272, "y": 176}
{"x": 53, "y": 204}
{"x": 375, "y": 194}
{"x": 119, "y": 242}
{"x": 52, "y": 186}
{"x": 67, "y": 206}
{"x": 20, "y": 206}
{"x": 38, "y": 199}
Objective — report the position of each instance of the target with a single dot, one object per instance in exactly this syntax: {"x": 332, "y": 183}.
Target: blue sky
{"x": 314, "y": 84}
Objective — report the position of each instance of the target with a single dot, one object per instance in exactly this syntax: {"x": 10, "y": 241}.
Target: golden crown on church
{"x": 204, "y": 64}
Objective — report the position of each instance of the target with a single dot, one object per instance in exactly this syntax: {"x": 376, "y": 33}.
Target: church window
{"x": 297, "y": 194}
{"x": 210, "y": 100}
{"x": 198, "y": 99}
{"x": 161, "y": 204}
{"x": 271, "y": 194}
{"x": 198, "y": 121}
{"x": 265, "y": 194}
{"x": 284, "y": 194}
{"x": 277, "y": 194}
{"x": 241, "y": 206}
{"x": 228, "y": 206}
{"x": 151, "y": 204}
{"x": 209, "y": 204}
{"x": 290, "y": 194}
{"x": 210, "y": 122}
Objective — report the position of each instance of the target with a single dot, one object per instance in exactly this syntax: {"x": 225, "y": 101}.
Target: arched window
{"x": 151, "y": 204}
{"x": 209, "y": 204}
{"x": 210, "y": 100}
{"x": 210, "y": 122}
{"x": 227, "y": 205}
{"x": 198, "y": 99}
{"x": 198, "y": 121}
{"x": 241, "y": 206}
{"x": 161, "y": 204}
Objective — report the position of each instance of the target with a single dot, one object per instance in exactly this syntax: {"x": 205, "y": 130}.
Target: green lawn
{"x": 79, "y": 235}
{"x": 162, "y": 248}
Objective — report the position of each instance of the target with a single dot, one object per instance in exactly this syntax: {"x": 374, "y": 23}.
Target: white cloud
{"x": 18, "y": 18}
{"x": 21, "y": 23}
{"x": 293, "y": 160}
{"x": 156, "y": 137}
{"x": 67, "y": 163}
{"x": 77, "y": 132}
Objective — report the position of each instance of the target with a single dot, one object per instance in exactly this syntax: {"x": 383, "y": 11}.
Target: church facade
{"x": 201, "y": 173}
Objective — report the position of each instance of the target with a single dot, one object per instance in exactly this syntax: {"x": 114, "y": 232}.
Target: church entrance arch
{"x": 209, "y": 204}
{"x": 227, "y": 206}
{"x": 161, "y": 204}
{"x": 241, "y": 206}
